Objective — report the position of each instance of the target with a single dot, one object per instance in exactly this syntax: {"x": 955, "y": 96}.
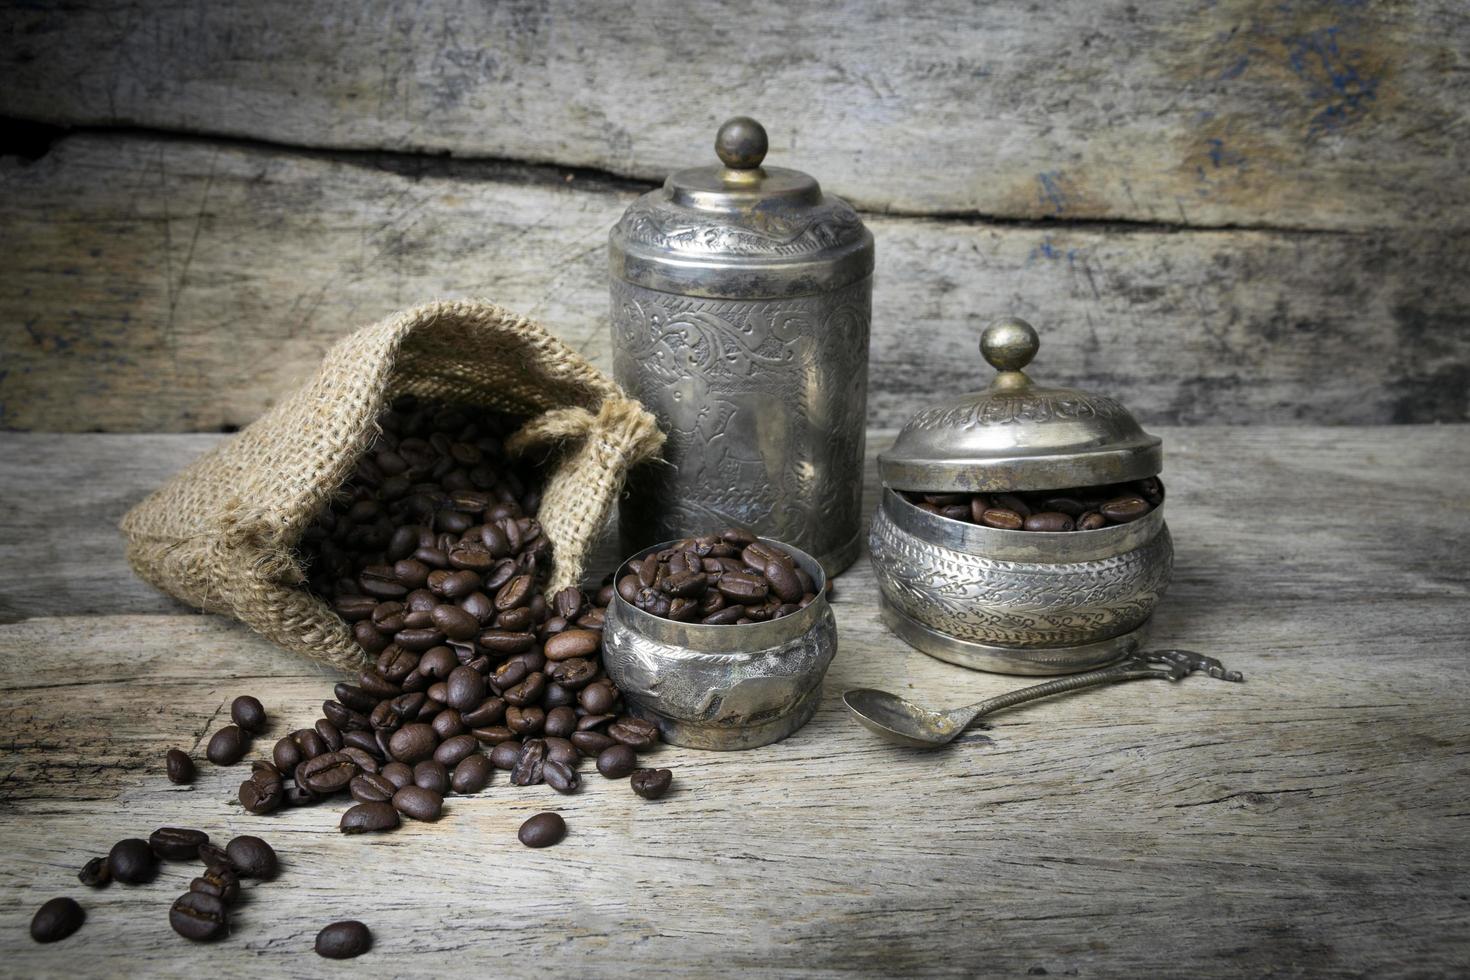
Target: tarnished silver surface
{"x": 900, "y": 720}
{"x": 1056, "y": 603}
{"x": 1018, "y": 435}
{"x": 722, "y": 687}
{"x": 741, "y": 303}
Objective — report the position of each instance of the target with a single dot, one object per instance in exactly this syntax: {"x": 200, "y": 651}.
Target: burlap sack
{"x": 221, "y": 534}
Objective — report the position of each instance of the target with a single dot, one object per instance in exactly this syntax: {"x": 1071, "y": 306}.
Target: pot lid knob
{"x": 741, "y": 143}
{"x": 1009, "y": 344}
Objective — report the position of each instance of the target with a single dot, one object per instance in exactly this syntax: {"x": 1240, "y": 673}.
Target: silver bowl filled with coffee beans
{"x": 741, "y": 662}
{"x": 1021, "y": 528}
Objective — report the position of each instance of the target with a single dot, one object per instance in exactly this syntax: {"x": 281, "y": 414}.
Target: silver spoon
{"x": 908, "y": 724}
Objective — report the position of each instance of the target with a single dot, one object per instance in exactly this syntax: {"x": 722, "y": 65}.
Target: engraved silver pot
{"x": 722, "y": 687}
{"x": 741, "y": 303}
{"x": 1018, "y": 602}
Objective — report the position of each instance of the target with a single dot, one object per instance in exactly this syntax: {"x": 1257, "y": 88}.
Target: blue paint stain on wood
{"x": 1335, "y": 76}
{"x": 1235, "y": 70}
{"x": 1051, "y": 190}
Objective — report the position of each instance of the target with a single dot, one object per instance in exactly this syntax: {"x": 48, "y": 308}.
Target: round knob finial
{"x": 1009, "y": 343}
{"x": 741, "y": 143}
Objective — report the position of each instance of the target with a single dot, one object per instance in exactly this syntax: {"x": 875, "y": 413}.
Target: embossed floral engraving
{"x": 649, "y": 221}
{"x": 764, "y": 404}
{"x": 1004, "y": 409}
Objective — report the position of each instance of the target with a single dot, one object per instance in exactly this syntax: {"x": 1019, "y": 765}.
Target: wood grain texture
{"x": 1198, "y": 112}
{"x": 1308, "y": 823}
{"x": 159, "y": 284}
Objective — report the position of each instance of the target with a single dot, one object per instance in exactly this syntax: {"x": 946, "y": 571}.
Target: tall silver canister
{"x": 741, "y": 300}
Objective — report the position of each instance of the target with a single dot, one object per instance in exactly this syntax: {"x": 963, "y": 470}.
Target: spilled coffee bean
{"x": 57, "y": 919}
{"x": 344, "y": 940}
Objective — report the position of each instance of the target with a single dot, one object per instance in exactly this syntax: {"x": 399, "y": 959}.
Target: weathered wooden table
{"x": 1310, "y": 822}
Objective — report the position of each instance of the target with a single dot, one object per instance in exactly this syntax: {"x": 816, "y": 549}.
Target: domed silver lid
{"x": 740, "y": 230}
{"x": 1018, "y": 435}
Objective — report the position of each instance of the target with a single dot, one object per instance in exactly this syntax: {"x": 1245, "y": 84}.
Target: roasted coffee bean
{"x": 438, "y": 663}
{"x": 57, "y": 919}
{"x": 506, "y": 641}
{"x": 587, "y": 723}
{"x": 525, "y": 721}
{"x": 213, "y": 854}
{"x": 330, "y": 735}
{"x": 344, "y": 717}
{"x": 1091, "y": 521}
{"x": 199, "y": 916}
{"x": 560, "y": 722}
{"x": 418, "y": 803}
{"x": 542, "y": 830}
{"x": 309, "y": 742}
{"x": 132, "y": 861}
{"x": 327, "y": 774}
{"x": 504, "y": 755}
{"x": 509, "y": 674}
{"x": 367, "y": 818}
{"x": 251, "y": 857}
{"x": 743, "y": 588}
{"x": 343, "y": 940}
{"x": 95, "y": 873}
{"x": 451, "y": 751}
{"x": 487, "y": 713}
{"x": 378, "y": 685}
{"x": 227, "y": 746}
{"x": 634, "y": 732}
{"x": 371, "y": 788}
{"x": 177, "y": 843}
{"x": 248, "y": 713}
{"x": 528, "y": 691}
{"x": 1070, "y": 506}
{"x": 727, "y": 616}
{"x": 220, "y": 881}
{"x": 598, "y": 698}
{"x": 1002, "y": 519}
{"x": 471, "y": 775}
{"x": 493, "y": 734}
{"x": 628, "y": 587}
{"x": 431, "y": 774}
{"x": 397, "y": 773}
{"x": 364, "y": 742}
{"x": 1121, "y": 510}
{"x": 560, "y": 776}
{"x": 455, "y": 623}
{"x": 530, "y": 764}
{"x": 447, "y": 724}
{"x": 562, "y": 750}
{"x": 287, "y": 755}
{"x": 413, "y": 742}
{"x": 592, "y": 744}
{"x": 179, "y": 766}
{"x": 652, "y": 783}
{"x": 616, "y": 761}
{"x": 783, "y": 581}
{"x": 1048, "y": 520}
{"x": 262, "y": 796}
{"x": 466, "y": 688}
{"x": 573, "y": 643}
{"x": 516, "y": 592}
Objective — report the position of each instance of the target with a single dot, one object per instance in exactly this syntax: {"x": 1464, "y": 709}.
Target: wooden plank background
{"x": 1237, "y": 211}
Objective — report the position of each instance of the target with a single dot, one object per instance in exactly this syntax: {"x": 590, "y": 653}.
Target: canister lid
{"x": 1018, "y": 435}
{"x": 741, "y": 230}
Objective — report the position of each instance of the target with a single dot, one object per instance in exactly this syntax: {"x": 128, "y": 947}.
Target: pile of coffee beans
{"x": 433, "y": 553}
{"x": 724, "y": 579}
{"x": 1073, "y": 509}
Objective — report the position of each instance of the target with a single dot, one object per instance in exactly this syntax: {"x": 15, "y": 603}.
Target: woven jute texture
{"x": 221, "y": 534}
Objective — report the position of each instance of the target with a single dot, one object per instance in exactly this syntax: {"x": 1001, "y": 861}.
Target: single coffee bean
{"x": 344, "y": 940}
{"x": 413, "y": 743}
{"x": 466, "y": 688}
{"x": 504, "y": 641}
{"x": 561, "y": 722}
{"x": 505, "y": 754}
{"x": 493, "y": 735}
{"x": 634, "y": 732}
{"x": 367, "y": 818}
{"x": 616, "y": 761}
{"x": 1003, "y": 519}
{"x": 431, "y": 774}
{"x": 132, "y": 861}
{"x": 177, "y": 843}
{"x": 418, "y": 803}
{"x": 516, "y": 592}
{"x": 330, "y": 734}
{"x": 327, "y": 774}
{"x": 542, "y": 830}
{"x": 448, "y": 723}
{"x": 179, "y": 766}
{"x": 1091, "y": 521}
{"x": 1121, "y": 510}
{"x": 471, "y": 775}
{"x": 310, "y": 743}
{"x": 227, "y": 746}
{"x": 438, "y": 663}
{"x": 528, "y": 691}
{"x": 375, "y": 788}
{"x": 398, "y": 774}
{"x": 652, "y": 783}
{"x": 529, "y": 765}
{"x": 591, "y": 743}
{"x": 199, "y": 916}
{"x": 95, "y": 873}
{"x": 1070, "y": 506}
{"x": 587, "y": 723}
{"x": 248, "y": 713}
{"x": 560, "y": 776}
{"x": 525, "y": 721}
{"x": 212, "y": 854}
{"x": 1048, "y": 520}
{"x": 252, "y": 857}
{"x": 455, "y": 623}
{"x": 452, "y": 751}
{"x": 262, "y": 796}
{"x": 562, "y": 750}
{"x": 363, "y": 748}
{"x": 598, "y": 699}
{"x": 355, "y": 697}
{"x": 220, "y": 881}
{"x": 287, "y": 755}
{"x": 487, "y": 713}
{"x": 344, "y": 718}
{"x": 743, "y": 588}
{"x": 57, "y": 919}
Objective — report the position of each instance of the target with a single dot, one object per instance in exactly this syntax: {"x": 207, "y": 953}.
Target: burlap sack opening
{"x": 221, "y": 534}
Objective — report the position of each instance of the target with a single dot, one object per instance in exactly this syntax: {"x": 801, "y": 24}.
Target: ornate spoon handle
{"x": 1168, "y": 665}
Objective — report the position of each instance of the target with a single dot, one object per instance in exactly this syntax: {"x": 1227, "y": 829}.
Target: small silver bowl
{"x": 1018, "y": 602}
{"x": 722, "y": 687}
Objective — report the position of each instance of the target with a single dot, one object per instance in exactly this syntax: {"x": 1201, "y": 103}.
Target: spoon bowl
{"x": 899, "y": 720}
